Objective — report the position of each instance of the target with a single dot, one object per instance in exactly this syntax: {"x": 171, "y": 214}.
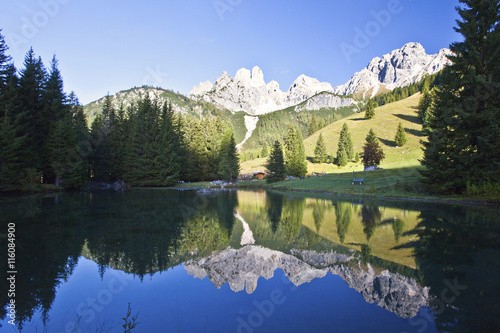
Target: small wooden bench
{"x": 358, "y": 180}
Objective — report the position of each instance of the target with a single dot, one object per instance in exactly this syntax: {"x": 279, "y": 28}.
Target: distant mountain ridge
{"x": 248, "y": 91}
{"x": 396, "y": 69}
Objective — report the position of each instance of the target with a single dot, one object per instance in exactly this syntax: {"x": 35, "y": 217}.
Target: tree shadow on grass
{"x": 388, "y": 143}
{"x": 359, "y": 119}
{"x": 413, "y": 119}
{"x": 414, "y": 132}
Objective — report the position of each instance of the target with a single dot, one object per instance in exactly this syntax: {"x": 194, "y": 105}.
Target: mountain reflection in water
{"x": 400, "y": 255}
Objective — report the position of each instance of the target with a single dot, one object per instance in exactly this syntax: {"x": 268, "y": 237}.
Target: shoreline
{"x": 461, "y": 201}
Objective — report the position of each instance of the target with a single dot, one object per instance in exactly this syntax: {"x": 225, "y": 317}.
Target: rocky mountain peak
{"x": 398, "y": 68}
{"x": 248, "y": 91}
{"x": 242, "y": 268}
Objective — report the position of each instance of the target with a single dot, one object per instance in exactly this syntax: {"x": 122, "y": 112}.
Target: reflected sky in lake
{"x": 250, "y": 261}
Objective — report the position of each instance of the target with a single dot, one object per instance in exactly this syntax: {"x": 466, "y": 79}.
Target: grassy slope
{"x": 399, "y": 176}
{"x": 384, "y": 124}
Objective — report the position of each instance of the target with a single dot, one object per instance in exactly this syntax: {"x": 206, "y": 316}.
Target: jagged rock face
{"x": 248, "y": 92}
{"x": 393, "y": 292}
{"x": 242, "y": 268}
{"x": 325, "y": 100}
{"x": 396, "y": 69}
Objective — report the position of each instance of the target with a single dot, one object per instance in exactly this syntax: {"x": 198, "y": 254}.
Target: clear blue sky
{"x": 107, "y": 46}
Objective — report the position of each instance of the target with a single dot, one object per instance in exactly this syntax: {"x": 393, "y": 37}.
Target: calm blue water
{"x": 250, "y": 262}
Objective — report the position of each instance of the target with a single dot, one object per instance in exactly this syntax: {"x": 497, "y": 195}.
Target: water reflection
{"x": 398, "y": 255}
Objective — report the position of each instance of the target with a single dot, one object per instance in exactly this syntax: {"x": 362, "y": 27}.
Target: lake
{"x": 247, "y": 261}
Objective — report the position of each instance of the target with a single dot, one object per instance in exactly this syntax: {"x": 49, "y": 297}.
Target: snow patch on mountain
{"x": 251, "y": 125}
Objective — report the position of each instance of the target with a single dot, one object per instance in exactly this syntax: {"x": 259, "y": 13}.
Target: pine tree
{"x": 101, "y": 147}
{"x": 400, "y": 138}
{"x": 372, "y": 152}
{"x": 4, "y": 62}
{"x": 342, "y": 159}
{"x": 84, "y": 147}
{"x": 141, "y": 151}
{"x": 369, "y": 110}
{"x": 463, "y": 146}
{"x": 276, "y": 164}
{"x": 345, "y": 150}
{"x": 167, "y": 163}
{"x": 295, "y": 156}
{"x": 55, "y": 108}
{"x": 229, "y": 167}
{"x": 320, "y": 155}
{"x": 31, "y": 116}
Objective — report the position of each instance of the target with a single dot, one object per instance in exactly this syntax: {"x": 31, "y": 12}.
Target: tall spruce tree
{"x": 464, "y": 146}
{"x": 32, "y": 117}
{"x": 55, "y": 108}
{"x": 84, "y": 147}
{"x": 320, "y": 155}
{"x": 295, "y": 156}
{"x": 101, "y": 146}
{"x": 400, "y": 138}
{"x": 345, "y": 150}
{"x": 229, "y": 167}
{"x": 372, "y": 152}
{"x": 166, "y": 162}
{"x": 276, "y": 164}
{"x": 370, "y": 109}
{"x": 4, "y": 62}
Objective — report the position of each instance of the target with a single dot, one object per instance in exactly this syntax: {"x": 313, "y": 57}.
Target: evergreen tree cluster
{"x": 400, "y": 93}
{"x": 288, "y": 160}
{"x": 295, "y": 155}
{"x": 149, "y": 145}
{"x": 40, "y": 126}
{"x": 463, "y": 150}
{"x": 45, "y": 139}
{"x": 315, "y": 125}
